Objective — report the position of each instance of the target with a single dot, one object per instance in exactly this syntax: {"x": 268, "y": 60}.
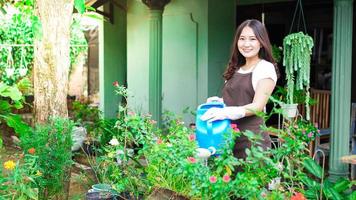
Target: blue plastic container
{"x": 212, "y": 134}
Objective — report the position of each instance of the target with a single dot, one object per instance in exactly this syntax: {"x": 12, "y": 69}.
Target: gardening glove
{"x": 215, "y": 98}
{"x": 230, "y": 112}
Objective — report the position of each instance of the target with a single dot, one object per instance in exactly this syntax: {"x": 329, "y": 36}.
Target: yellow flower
{"x": 38, "y": 173}
{"x": 10, "y": 165}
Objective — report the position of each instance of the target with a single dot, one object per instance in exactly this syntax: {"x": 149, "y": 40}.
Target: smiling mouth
{"x": 246, "y": 50}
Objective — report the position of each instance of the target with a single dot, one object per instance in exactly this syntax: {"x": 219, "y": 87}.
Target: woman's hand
{"x": 215, "y": 98}
{"x": 230, "y": 112}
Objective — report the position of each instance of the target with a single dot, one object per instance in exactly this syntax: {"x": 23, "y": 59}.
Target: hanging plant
{"x": 297, "y": 49}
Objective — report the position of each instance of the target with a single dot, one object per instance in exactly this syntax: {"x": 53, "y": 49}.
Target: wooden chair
{"x": 320, "y": 116}
{"x": 319, "y": 112}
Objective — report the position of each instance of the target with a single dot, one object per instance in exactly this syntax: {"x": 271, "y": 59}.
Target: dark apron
{"x": 238, "y": 91}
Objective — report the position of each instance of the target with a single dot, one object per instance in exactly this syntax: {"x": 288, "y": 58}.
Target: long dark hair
{"x": 237, "y": 60}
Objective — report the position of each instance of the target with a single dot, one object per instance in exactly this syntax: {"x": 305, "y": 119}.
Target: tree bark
{"x": 51, "y": 65}
{"x": 51, "y": 60}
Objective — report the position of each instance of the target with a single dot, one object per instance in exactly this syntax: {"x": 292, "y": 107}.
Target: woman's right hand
{"x": 214, "y": 98}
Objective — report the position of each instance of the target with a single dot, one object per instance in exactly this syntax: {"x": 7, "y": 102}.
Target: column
{"x": 341, "y": 88}
{"x": 155, "y": 57}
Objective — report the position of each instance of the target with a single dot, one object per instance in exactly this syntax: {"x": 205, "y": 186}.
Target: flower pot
{"x": 96, "y": 195}
{"x": 102, "y": 191}
{"x": 290, "y": 110}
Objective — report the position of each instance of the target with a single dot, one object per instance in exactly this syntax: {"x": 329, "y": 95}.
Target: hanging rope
{"x": 299, "y": 7}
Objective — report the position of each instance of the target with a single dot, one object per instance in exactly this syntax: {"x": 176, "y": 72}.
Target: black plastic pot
{"x": 99, "y": 196}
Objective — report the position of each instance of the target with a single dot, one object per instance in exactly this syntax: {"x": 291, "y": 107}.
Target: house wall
{"x": 196, "y": 39}
{"x": 220, "y": 42}
{"x": 353, "y": 86}
{"x": 112, "y": 59}
{"x": 137, "y": 55}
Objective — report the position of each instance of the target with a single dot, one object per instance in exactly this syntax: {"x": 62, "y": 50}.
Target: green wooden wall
{"x": 112, "y": 59}
{"x": 196, "y": 41}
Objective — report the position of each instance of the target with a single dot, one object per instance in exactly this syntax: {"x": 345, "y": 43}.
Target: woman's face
{"x": 248, "y": 44}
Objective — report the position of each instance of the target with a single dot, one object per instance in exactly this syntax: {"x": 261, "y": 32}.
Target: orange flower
{"x": 159, "y": 141}
{"x": 10, "y": 165}
{"x": 298, "y": 196}
{"x": 31, "y": 151}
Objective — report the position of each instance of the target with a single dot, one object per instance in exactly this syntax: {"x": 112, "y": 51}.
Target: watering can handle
{"x": 212, "y": 150}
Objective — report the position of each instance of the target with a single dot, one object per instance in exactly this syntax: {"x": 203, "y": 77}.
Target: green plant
{"x": 17, "y": 179}
{"x": 277, "y": 53}
{"x": 319, "y": 187}
{"x": 12, "y": 98}
{"x": 17, "y": 33}
{"x": 52, "y": 143}
{"x": 299, "y": 96}
{"x": 119, "y": 163}
{"x": 297, "y": 48}
{"x": 141, "y": 159}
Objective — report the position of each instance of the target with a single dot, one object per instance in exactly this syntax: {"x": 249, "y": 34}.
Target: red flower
{"x": 213, "y": 179}
{"x": 298, "y": 196}
{"x": 115, "y": 83}
{"x": 31, "y": 151}
{"x": 234, "y": 127}
{"x": 226, "y": 178}
{"x": 191, "y": 160}
{"x": 152, "y": 121}
{"x": 192, "y": 137}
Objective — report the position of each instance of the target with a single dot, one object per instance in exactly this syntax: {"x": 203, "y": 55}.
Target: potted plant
{"x": 297, "y": 48}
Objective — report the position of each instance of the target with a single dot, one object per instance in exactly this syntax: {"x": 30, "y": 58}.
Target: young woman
{"x": 250, "y": 78}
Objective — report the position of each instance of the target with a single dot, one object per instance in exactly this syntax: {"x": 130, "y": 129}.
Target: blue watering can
{"x": 212, "y": 135}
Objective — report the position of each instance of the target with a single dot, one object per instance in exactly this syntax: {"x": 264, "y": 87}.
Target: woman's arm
{"x": 264, "y": 89}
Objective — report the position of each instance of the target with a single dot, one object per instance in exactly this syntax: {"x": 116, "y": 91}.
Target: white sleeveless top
{"x": 262, "y": 70}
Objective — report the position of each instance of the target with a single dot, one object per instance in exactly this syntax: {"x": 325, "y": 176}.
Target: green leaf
{"x": 352, "y": 196}
{"x": 5, "y": 106}
{"x": 311, "y": 194}
{"x": 14, "y": 121}
{"x": 313, "y": 167}
{"x": 80, "y": 6}
{"x": 330, "y": 192}
{"x": 10, "y": 91}
{"x": 18, "y": 104}
{"x": 341, "y": 185}
{"x": 310, "y": 183}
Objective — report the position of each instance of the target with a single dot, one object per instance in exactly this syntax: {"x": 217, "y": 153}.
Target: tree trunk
{"x": 51, "y": 60}
{"x": 51, "y": 64}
